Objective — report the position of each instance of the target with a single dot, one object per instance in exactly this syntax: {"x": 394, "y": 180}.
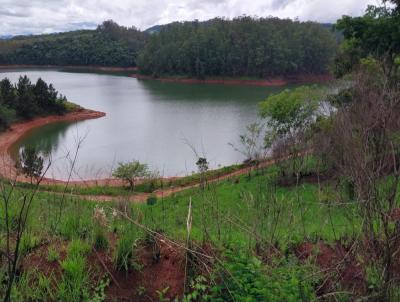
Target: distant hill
{"x": 241, "y": 47}
{"x": 6, "y": 37}
{"x": 108, "y": 45}
{"x": 154, "y": 29}
{"x": 114, "y": 45}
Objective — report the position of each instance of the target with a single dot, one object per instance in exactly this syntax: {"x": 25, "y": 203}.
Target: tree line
{"x": 108, "y": 45}
{"x": 244, "y": 46}
{"x": 26, "y": 100}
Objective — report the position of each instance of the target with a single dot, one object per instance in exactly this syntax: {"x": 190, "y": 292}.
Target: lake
{"x": 150, "y": 121}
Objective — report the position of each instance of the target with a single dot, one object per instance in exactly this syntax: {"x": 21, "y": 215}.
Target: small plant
{"x": 162, "y": 295}
{"x": 99, "y": 292}
{"x": 78, "y": 248}
{"x": 124, "y": 253}
{"x": 100, "y": 240}
{"x": 247, "y": 279}
{"x": 73, "y": 285}
{"x": 199, "y": 291}
{"x": 141, "y": 291}
{"x": 28, "y": 242}
{"x": 151, "y": 200}
{"x": 52, "y": 255}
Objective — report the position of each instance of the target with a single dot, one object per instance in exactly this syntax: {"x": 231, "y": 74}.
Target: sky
{"x": 46, "y": 16}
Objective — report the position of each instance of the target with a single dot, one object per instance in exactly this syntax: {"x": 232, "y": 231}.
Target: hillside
{"x": 242, "y": 47}
{"x": 108, "y": 45}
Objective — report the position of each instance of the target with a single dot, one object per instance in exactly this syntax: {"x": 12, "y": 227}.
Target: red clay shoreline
{"x": 18, "y": 130}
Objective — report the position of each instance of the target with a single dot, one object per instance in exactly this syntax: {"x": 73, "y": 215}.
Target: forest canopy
{"x": 244, "y": 46}
{"x": 108, "y": 45}
{"x": 26, "y": 100}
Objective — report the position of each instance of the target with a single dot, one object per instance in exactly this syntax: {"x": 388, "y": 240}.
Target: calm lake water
{"x": 146, "y": 120}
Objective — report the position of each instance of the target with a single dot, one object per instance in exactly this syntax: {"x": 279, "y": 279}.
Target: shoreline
{"x": 271, "y": 82}
{"x": 74, "y": 67}
{"x": 132, "y": 73}
{"x": 18, "y": 130}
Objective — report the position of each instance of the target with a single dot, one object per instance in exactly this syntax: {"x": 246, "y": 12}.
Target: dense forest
{"x": 26, "y": 100}
{"x": 245, "y": 46}
{"x": 108, "y": 45}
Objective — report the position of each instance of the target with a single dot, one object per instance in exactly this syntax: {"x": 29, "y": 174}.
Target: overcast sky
{"x": 45, "y": 16}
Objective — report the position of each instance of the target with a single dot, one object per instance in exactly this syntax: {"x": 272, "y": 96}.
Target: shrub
{"x": 151, "y": 200}
{"x": 245, "y": 278}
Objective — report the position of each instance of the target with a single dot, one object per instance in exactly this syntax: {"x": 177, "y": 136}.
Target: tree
{"x": 25, "y": 105}
{"x": 131, "y": 171}
{"x": 252, "y": 145}
{"x": 30, "y": 163}
{"x": 244, "y": 46}
{"x": 289, "y": 116}
{"x": 376, "y": 34}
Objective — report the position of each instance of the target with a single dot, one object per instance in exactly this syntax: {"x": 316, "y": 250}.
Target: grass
{"x": 145, "y": 187}
{"x": 234, "y": 214}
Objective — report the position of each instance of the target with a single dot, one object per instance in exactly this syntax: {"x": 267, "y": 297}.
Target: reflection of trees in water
{"x": 47, "y": 139}
{"x": 207, "y": 92}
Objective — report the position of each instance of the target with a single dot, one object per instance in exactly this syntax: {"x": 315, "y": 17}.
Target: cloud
{"x": 43, "y": 16}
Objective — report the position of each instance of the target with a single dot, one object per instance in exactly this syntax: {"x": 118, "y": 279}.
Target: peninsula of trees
{"x": 26, "y": 100}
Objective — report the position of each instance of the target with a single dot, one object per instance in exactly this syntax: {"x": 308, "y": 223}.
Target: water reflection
{"x": 146, "y": 120}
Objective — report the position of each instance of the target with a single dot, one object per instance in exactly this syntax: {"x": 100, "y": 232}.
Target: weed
{"x": 52, "y": 255}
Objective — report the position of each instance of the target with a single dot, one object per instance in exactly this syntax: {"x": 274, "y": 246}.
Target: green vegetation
{"x": 108, "y": 45}
{"x": 131, "y": 171}
{"x": 242, "y": 47}
{"x": 25, "y": 100}
{"x": 320, "y": 223}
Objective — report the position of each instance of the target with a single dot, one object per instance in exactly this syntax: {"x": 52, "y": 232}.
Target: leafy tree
{"x": 131, "y": 171}
{"x": 375, "y": 34}
{"x": 289, "y": 116}
{"x": 31, "y": 163}
{"x": 26, "y": 100}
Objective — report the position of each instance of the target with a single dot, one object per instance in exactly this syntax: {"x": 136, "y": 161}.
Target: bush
{"x": 245, "y": 278}
{"x": 151, "y": 200}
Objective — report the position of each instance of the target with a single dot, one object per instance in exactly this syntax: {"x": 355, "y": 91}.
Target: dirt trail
{"x": 142, "y": 197}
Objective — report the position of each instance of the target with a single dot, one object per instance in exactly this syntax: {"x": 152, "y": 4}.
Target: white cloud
{"x": 39, "y": 16}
